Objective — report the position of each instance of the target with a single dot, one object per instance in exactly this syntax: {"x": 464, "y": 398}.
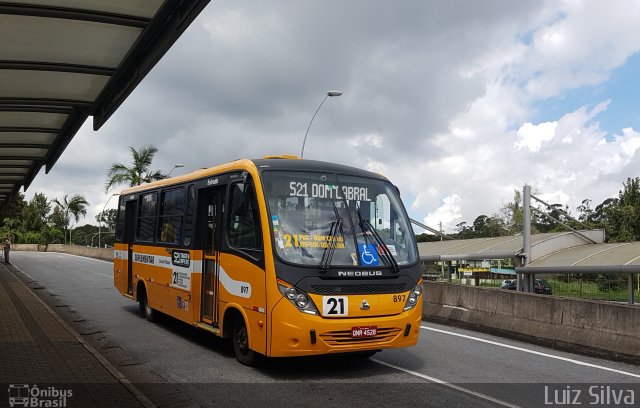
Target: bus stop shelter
{"x": 617, "y": 258}
{"x": 62, "y": 61}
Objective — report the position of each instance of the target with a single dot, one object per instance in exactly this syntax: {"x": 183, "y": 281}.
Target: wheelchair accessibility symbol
{"x": 368, "y": 255}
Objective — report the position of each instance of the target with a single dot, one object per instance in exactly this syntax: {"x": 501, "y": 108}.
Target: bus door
{"x": 129, "y": 228}
{"x": 211, "y": 202}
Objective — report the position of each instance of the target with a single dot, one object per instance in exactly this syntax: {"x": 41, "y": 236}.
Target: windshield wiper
{"x": 385, "y": 252}
{"x": 336, "y": 226}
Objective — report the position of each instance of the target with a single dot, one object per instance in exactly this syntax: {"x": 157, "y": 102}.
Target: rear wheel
{"x": 241, "y": 348}
{"x": 145, "y": 309}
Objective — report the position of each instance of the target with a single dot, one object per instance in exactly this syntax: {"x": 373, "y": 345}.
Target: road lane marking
{"x": 539, "y": 353}
{"x": 446, "y": 384}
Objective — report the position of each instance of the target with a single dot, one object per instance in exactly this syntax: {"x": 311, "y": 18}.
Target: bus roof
{"x": 285, "y": 163}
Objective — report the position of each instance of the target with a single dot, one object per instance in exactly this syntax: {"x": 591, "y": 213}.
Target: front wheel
{"x": 241, "y": 348}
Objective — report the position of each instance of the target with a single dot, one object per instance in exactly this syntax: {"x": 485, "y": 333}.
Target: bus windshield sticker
{"x": 311, "y": 241}
{"x": 369, "y": 255}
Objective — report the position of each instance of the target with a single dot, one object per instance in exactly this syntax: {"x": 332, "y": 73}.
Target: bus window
{"x": 171, "y": 215}
{"x": 147, "y": 217}
{"x": 191, "y": 214}
{"x": 244, "y": 227}
{"x": 120, "y": 221}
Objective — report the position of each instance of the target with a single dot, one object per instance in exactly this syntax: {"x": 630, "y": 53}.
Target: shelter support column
{"x": 532, "y": 282}
{"x": 630, "y": 289}
{"x": 449, "y": 271}
{"x": 526, "y": 233}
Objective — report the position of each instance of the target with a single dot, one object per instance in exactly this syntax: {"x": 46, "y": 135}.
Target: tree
{"x": 512, "y": 213}
{"x": 13, "y": 208}
{"x": 8, "y": 225}
{"x": 108, "y": 218}
{"x": 138, "y": 172}
{"x": 586, "y": 213}
{"x": 76, "y": 205}
{"x": 85, "y": 234}
{"x": 34, "y": 215}
{"x": 624, "y": 218}
{"x": 557, "y": 211}
{"x": 57, "y": 218}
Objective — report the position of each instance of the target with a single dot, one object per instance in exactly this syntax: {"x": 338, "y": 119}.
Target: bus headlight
{"x": 302, "y": 301}
{"x": 414, "y": 296}
{"x": 298, "y": 298}
{"x": 290, "y": 293}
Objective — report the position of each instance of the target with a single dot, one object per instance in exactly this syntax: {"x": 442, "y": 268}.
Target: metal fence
{"x": 609, "y": 287}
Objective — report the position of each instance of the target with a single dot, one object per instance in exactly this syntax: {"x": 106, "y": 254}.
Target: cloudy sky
{"x": 459, "y": 103}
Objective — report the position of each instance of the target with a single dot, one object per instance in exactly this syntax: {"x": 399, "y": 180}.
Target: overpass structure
{"x": 62, "y": 61}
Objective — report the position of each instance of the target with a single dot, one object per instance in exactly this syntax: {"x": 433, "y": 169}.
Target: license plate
{"x": 364, "y": 331}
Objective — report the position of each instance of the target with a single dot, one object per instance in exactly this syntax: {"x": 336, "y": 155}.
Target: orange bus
{"x": 287, "y": 257}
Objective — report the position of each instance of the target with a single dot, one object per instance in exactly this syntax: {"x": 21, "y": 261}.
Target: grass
{"x": 589, "y": 290}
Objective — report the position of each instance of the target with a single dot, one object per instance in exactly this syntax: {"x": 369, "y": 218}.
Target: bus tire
{"x": 243, "y": 353}
{"x": 145, "y": 309}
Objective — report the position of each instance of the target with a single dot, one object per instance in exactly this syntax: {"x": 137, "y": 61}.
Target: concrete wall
{"x": 579, "y": 325}
{"x": 99, "y": 253}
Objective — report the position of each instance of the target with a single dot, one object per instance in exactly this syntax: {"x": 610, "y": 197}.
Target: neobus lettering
{"x": 355, "y": 193}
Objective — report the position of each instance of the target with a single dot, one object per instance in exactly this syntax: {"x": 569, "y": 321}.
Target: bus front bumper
{"x": 294, "y": 333}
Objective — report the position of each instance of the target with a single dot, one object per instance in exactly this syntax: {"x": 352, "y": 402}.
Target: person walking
{"x": 6, "y": 245}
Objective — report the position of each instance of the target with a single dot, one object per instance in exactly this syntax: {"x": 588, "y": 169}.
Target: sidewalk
{"x": 41, "y": 356}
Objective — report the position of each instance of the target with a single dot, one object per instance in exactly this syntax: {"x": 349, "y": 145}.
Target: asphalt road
{"x": 177, "y": 365}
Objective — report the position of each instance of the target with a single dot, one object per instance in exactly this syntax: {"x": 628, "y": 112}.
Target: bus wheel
{"x": 241, "y": 348}
{"x": 145, "y": 309}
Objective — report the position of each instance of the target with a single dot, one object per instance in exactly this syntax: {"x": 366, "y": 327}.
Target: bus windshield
{"x": 336, "y": 220}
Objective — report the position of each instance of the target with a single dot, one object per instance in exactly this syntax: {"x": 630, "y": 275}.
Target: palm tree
{"x": 139, "y": 171}
{"x": 76, "y": 205}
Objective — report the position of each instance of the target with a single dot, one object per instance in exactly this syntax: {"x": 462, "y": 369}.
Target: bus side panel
{"x": 120, "y": 267}
{"x": 170, "y": 287}
{"x": 243, "y": 283}
{"x": 181, "y": 303}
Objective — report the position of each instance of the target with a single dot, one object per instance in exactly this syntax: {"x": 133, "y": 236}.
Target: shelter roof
{"x": 592, "y": 258}
{"x": 503, "y": 247}
{"x": 62, "y": 61}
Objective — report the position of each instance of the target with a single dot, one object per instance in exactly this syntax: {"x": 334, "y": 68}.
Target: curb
{"x": 117, "y": 374}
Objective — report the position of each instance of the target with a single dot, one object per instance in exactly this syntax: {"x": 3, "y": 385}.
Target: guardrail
{"x": 595, "y": 327}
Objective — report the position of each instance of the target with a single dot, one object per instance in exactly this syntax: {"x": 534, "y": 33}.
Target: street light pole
{"x": 175, "y": 166}
{"x": 328, "y": 94}
{"x": 102, "y": 216}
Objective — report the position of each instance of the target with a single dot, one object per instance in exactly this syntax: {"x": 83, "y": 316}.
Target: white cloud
{"x": 448, "y": 213}
{"x": 441, "y": 103}
{"x": 532, "y": 136}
